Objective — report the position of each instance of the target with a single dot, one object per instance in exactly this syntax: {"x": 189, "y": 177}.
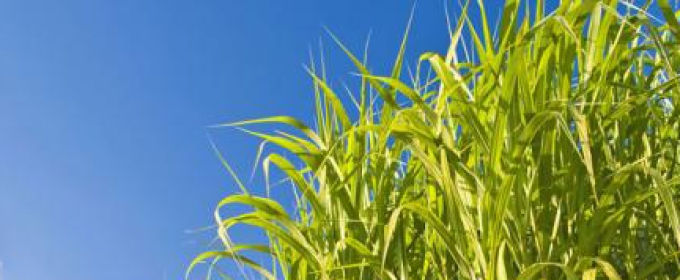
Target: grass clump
{"x": 545, "y": 149}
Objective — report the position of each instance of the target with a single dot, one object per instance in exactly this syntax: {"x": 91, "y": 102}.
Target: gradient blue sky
{"x": 104, "y": 159}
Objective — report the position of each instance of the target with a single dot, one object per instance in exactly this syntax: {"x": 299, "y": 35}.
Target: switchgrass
{"x": 547, "y": 148}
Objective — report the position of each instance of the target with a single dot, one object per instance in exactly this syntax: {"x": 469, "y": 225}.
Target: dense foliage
{"x": 546, "y": 148}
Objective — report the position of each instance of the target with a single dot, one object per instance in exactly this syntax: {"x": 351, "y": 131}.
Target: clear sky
{"x": 104, "y": 160}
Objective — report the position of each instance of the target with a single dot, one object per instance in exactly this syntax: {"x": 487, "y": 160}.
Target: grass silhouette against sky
{"x": 550, "y": 152}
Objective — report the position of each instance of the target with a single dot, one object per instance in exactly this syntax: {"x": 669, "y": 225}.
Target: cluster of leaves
{"x": 546, "y": 148}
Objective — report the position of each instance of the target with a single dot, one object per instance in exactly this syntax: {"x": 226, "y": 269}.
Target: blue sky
{"x": 104, "y": 159}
